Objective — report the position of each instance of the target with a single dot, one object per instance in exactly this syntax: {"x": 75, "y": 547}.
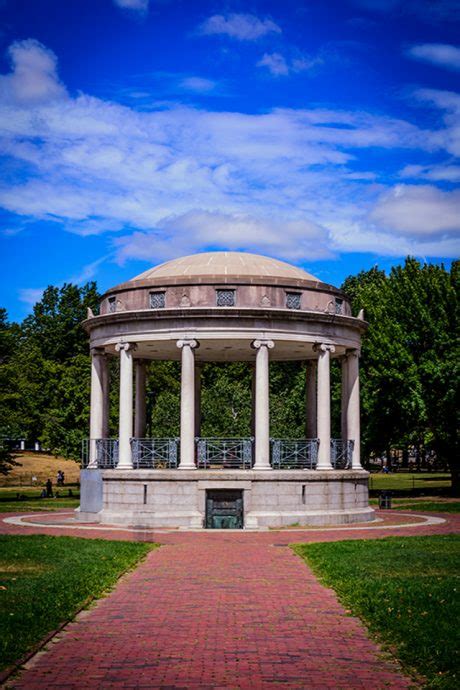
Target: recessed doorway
{"x": 224, "y": 509}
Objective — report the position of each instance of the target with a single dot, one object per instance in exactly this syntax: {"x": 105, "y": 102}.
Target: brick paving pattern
{"x": 221, "y": 610}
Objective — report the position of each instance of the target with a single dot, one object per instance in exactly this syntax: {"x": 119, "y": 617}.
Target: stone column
{"x": 198, "y": 372}
{"x": 344, "y": 399}
{"x": 310, "y": 399}
{"x": 125, "y": 433}
{"x": 96, "y": 424}
{"x": 262, "y": 422}
{"x": 140, "y": 407}
{"x": 253, "y": 400}
{"x": 187, "y": 405}
{"x": 324, "y": 406}
{"x": 353, "y": 422}
{"x": 106, "y": 399}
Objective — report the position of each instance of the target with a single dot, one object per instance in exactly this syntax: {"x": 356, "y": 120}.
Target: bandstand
{"x": 224, "y": 307}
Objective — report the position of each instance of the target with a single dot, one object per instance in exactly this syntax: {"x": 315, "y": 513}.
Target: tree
{"x": 409, "y": 369}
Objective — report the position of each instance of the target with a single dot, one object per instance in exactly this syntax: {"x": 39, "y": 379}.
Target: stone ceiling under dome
{"x": 225, "y": 264}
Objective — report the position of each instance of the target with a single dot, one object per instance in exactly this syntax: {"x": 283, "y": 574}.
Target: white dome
{"x": 226, "y": 264}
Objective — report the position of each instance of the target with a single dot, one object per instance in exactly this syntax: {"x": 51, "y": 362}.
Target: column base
{"x": 186, "y": 467}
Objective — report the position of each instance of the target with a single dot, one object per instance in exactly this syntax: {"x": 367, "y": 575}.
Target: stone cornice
{"x": 231, "y": 314}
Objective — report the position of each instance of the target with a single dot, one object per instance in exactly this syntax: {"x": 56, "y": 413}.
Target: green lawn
{"x": 45, "y": 580}
{"x": 430, "y": 503}
{"x": 433, "y": 506}
{"x": 405, "y": 481}
{"x": 30, "y": 499}
{"x": 407, "y": 590}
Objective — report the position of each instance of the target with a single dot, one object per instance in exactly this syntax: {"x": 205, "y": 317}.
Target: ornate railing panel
{"x": 294, "y": 454}
{"x": 106, "y": 451}
{"x": 341, "y": 453}
{"x": 225, "y": 453}
{"x": 155, "y": 453}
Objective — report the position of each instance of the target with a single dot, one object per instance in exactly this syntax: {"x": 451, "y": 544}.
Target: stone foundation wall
{"x": 177, "y": 498}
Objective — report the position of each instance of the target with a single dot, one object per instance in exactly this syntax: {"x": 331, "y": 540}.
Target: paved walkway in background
{"x": 218, "y": 611}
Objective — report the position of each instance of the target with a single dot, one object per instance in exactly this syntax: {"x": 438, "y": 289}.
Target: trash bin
{"x": 385, "y": 500}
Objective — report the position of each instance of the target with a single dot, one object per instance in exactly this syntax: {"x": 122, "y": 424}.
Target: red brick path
{"x": 219, "y": 611}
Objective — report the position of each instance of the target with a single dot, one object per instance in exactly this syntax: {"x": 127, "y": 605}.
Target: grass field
{"x": 407, "y": 590}
{"x": 45, "y": 580}
{"x": 409, "y": 481}
{"x": 41, "y": 466}
{"x": 434, "y": 504}
{"x": 29, "y": 499}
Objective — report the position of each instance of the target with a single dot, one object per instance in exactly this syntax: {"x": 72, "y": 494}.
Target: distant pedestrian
{"x": 49, "y": 488}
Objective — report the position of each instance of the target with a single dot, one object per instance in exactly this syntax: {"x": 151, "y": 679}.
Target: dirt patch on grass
{"x": 42, "y": 466}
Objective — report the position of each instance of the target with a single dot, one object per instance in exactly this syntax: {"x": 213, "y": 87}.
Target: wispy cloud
{"x": 436, "y": 173}
{"x": 31, "y": 296}
{"x": 198, "y": 84}
{"x": 242, "y": 27}
{"x": 167, "y": 181}
{"x": 88, "y": 272}
{"x": 439, "y": 54}
{"x": 279, "y": 66}
{"x": 139, "y": 6}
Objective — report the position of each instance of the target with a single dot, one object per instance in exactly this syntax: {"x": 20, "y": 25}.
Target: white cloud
{"x": 418, "y": 210}
{"x": 278, "y": 65}
{"x": 440, "y": 54}
{"x": 243, "y": 27}
{"x": 168, "y": 181}
{"x": 197, "y": 84}
{"x": 33, "y": 79}
{"x": 198, "y": 229}
{"x": 31, "y": 296}
{"x": 436, "y": 173}
{"x": 88, "y": 272}
{"x": 140, "y": 6}
{"x": 275, "y": 63}
{"x": 448, "y": 102}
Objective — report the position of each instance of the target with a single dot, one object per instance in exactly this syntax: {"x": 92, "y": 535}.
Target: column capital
{"x": 323, "y": 347}
{"x": 353, "y": 352}
{"x": 97, "y": 351}
{"x": 257, "y": 344}
{"x": 188, "y": 342}
{"x": 125, "y": 346}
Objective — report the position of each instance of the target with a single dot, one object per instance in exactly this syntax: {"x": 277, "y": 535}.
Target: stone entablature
{"x": 262, "y": 295}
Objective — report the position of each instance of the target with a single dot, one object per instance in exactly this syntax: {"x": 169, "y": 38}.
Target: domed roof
{"x": 225, "y": 264}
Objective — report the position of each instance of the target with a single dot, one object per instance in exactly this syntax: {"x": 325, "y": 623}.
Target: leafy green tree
{"x": 409, "y": 366}
{"x": 55, "y": 324}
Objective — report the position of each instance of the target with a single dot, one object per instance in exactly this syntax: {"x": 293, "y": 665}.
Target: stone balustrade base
{"x": 177, "y": 498}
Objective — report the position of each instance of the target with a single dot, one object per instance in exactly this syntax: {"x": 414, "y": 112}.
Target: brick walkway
{"x": 221, "y": 611}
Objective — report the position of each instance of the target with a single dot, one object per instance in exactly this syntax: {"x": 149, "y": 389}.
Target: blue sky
{"x": 322, "y": 132}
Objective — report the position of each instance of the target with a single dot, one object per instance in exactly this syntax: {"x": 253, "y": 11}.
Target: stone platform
{"x": 177, "y": 498}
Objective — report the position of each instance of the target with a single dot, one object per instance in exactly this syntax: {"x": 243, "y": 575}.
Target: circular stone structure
{"x": 224, "y": 307}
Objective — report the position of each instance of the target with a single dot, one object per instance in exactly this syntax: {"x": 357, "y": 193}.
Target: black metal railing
{"x": 105, "y": 451}
{"x": 216, "y": 453}
{"x": 224, "y": 453}
{"x": 341, "y": 454}
{"x": 294, "y": 454}
{"x": 155, "y": 453}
